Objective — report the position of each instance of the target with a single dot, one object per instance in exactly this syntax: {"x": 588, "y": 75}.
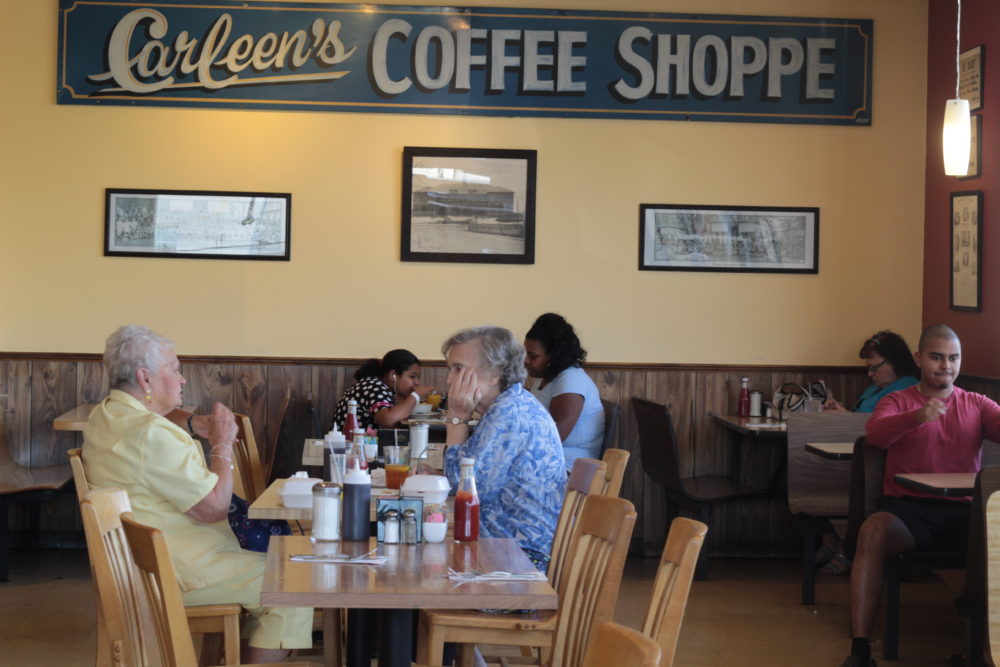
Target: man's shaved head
{"x": 936, "y": 331}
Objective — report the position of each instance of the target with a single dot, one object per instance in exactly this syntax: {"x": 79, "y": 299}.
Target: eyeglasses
{"x": 875, "y": 367}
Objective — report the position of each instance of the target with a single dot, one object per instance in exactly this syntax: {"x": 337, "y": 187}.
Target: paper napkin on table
{"x": 339, "y": 560}
{"x": 496, "y": 576}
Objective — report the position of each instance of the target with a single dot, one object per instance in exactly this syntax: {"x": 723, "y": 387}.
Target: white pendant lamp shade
{"x": 956, "y": 137}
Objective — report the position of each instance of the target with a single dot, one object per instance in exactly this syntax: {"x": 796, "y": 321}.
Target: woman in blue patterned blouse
{"x": 520, "y": 473}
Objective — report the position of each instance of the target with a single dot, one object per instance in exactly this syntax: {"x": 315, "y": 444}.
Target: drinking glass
{"x": 397, "y": 465}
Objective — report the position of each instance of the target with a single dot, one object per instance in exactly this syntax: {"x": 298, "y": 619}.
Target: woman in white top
{"x": 554, "y": 356}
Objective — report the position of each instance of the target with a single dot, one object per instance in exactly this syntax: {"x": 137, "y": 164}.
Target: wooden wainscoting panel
{"x": 328, "y": 384}
{"x": 15, "y": 382}
{"x": 91, "y": 381}
{"x": 53, "y": 392}
{"x": 609, "y": 385}
{"x": 208, "y": 384}
{"x": 250, "y": 394}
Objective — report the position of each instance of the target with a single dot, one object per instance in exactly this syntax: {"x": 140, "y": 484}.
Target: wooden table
{"x": 952, "y": 484}
{"x": 836, "y": 451}
{"x": 758, "y": 427}
{"x": 415, "y": 577}
{"x": 76, "y": 419}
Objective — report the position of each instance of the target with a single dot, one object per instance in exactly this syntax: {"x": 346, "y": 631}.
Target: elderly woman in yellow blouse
{"x": 138, "y": 440}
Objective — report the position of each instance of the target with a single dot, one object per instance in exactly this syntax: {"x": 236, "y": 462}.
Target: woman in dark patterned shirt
{"x": 386, "y": 391}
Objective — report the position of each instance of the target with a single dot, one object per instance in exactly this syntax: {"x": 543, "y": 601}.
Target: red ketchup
{"x": 467, "y": 504}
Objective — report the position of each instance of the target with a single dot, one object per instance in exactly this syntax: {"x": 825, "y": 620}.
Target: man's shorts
{"x": 936, "y": 525}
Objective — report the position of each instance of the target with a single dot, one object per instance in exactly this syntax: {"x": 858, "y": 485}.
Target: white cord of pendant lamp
{"x": 956, "y": 135}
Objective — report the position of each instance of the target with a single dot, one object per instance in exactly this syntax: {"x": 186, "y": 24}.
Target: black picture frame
{"x": 474, "y": 205}
{"x": 972, "y": 76}
{"x": 975, "y": 149}
{"x": 965, "y": 259}
{"x": 738, "y": 239}
{"x": 197, "y": 224}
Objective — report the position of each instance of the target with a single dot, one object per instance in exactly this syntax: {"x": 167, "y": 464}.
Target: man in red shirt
{"x": 933, "y": 426}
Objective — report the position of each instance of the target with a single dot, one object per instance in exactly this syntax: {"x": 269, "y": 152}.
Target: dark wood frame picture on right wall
{"x": 966, "y": 256}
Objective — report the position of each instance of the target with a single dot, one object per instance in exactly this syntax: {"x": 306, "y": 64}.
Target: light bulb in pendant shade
{"x": 956, "y": 137}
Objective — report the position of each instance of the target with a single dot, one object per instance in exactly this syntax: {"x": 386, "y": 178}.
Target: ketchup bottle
{"x": 467, "y": 504}
{"x": 351, "y": 420}
{"x": 743, "y": 407}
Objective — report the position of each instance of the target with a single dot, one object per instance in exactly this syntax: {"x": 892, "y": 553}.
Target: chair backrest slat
{"x": 588, "y": 588}
{"x": 672, "y": 585}
{"x": 585, "y": 476}
{"x": 79, "y": 477}
{"x": 616, "y": 461}
{"x": 248, "y": 477}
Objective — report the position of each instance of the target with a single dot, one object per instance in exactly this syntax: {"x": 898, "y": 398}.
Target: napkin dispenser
{"x": 431, "y": 488}
{"x": 296, "y": 492}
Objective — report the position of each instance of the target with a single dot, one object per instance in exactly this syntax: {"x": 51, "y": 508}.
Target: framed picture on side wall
{"x": 198, "y": 224}
{"x": 468, "y": 205}
{"x": 966, "y": 255}
{"x": 759, "y": 239}
{"x": 971, "y": 76}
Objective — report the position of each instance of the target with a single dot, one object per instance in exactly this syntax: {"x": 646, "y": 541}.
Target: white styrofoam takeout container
{"x": 432, "y": 488}
{"x": 296, "y": 492}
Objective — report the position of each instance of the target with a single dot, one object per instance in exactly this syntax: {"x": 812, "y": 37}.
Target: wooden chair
{"x": 614, "y": 644}
{"x": 587, "y": 589}
{"x": 616, "y": 461}
{"x": 658, "y": 449}
{"x": 211, "y": 620}
{"x": 249, "y": 480}
{"x": 672, "y": 585}
{"x": 24, "y": 484}
{"x": 818, "y": 488}
{"x": 611, "y": 412}
{"x": 137, "y": 587}
{"x": 993, "y": 572}
{"x": 272, "y": 450}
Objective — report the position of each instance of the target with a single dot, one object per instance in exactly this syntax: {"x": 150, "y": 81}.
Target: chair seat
{"x": 710, "y": 488}
{"x": 213, "y": 610}
{"x": 542, "y": 619}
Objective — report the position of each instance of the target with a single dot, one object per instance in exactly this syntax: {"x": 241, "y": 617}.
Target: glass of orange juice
{"x": 397, "y": 465}
{"x": 435, "y": 400}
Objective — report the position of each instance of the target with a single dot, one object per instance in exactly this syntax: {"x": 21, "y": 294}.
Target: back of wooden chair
{"x": 159, "y": 584}
{"x": 586, "y": 475}
{"x": 79, "y": 477}
{"x": 611, "y": 412}
{"x": 993, "y": 572}
{"x": 616, "y": 461}
{"x": 672, "y": 585}
{"x": 123, "y": 603}
{"x": 248, "y": 477}
{"x": 588, "y": 590}
{"x": 272, "y": 449}
{"x": 614, "y": 644}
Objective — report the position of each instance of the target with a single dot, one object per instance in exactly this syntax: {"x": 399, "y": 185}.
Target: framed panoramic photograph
{"x": 772, "y": 239}
{"x": 197, "y": 224}
{"x": 975, "y": 148}
{"x": 468, "y": 205}
{"x": 970, "y": 76}
{"x": 966, "y": 250}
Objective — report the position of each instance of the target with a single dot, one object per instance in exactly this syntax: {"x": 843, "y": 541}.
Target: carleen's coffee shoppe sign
{"x": 483, "y": 61}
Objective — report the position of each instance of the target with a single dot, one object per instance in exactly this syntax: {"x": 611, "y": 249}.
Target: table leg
{"x": 395, "y": 637}
{"x": 360, "y": 623}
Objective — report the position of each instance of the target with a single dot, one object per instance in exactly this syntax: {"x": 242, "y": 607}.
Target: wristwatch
{"x": 456, "y": 421}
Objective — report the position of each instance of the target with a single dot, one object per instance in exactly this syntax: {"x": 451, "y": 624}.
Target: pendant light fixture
{"x": 956, "y": 136}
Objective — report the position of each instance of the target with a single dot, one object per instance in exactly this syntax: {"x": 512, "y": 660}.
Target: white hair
{"x": 501, "y": 351}
{"x": 130, "y": 348}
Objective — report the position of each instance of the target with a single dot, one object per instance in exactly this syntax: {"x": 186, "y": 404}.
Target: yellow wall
{"x": 59, "y": 294}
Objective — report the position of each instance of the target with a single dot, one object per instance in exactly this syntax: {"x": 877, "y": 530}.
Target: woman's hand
{"x": 423, "y": 391}
{"x": 834, "y": 406}
{"x": 464, "y": 393}
{"x": 221, "y": 426}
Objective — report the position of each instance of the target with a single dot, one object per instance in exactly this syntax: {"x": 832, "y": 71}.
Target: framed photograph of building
{"x": 966, "y": 250}
{"x": 197, "y": 224}
{"x": 971, "y": 77}
{"x": 760, "y": 239}
{"x": 468, "y": 205}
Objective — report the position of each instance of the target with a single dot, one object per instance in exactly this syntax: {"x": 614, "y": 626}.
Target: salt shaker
{"x": 391, "y": 533}
{"x": 326, "y": 512}
{"x": 409, "y": 527}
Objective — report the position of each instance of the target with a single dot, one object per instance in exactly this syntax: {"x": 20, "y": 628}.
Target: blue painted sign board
{"x": 479, "y": 61}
